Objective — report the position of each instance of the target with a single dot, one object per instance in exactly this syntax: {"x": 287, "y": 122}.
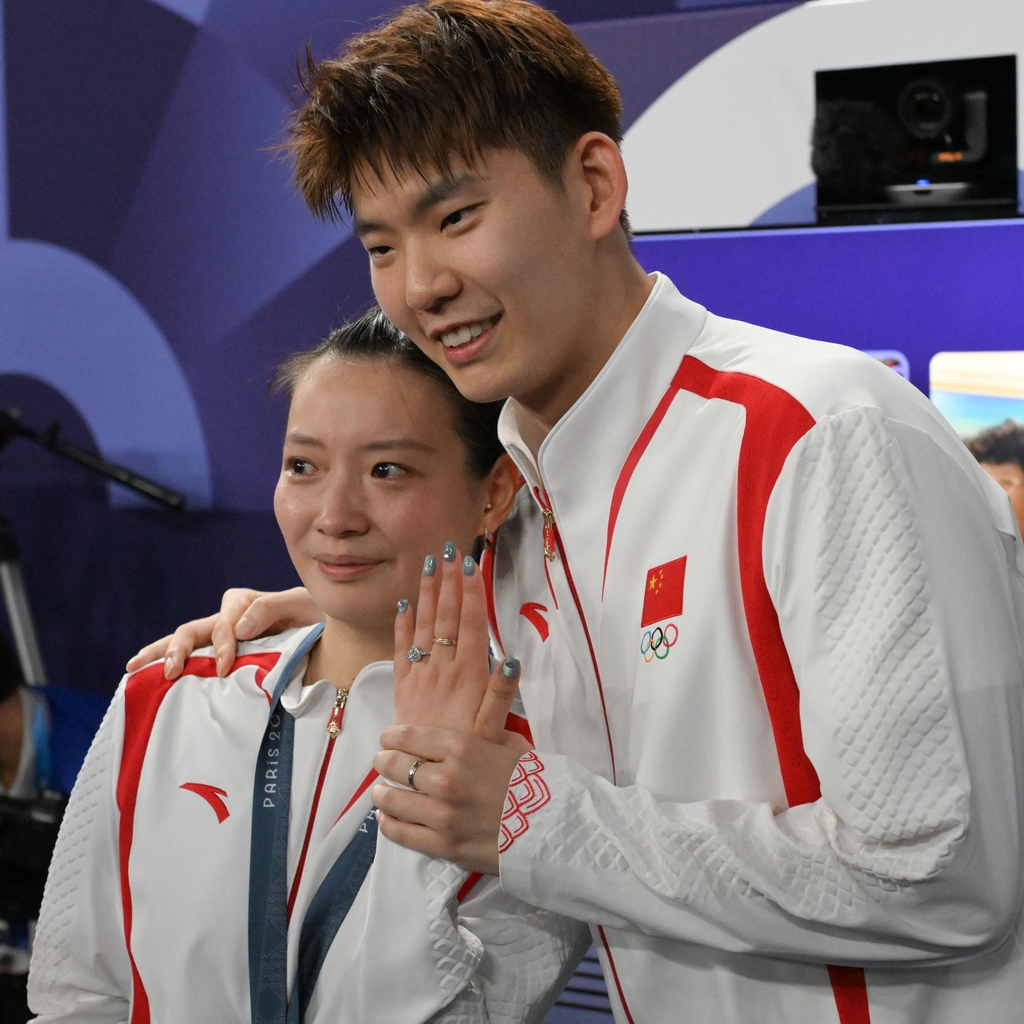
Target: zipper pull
{"x": 334, "y": 725}
{"x": 549, "y": 525}
{"x": 549, "y": 535}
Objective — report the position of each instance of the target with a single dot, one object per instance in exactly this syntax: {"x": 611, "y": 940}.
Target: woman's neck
{"x": 343, "y": 652}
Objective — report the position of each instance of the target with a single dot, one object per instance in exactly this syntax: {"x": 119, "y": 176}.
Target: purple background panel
{"x": 87, "y": 86}
{"x": 921, "y": 289}
{"x": 646, "y": 55}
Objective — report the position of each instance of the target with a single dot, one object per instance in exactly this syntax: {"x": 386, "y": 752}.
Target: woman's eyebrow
{"x": 398, "y": 444}
{"x": 303, "y": 439}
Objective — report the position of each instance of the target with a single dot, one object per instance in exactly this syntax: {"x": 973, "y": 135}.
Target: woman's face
{"x": 373, "y": 480}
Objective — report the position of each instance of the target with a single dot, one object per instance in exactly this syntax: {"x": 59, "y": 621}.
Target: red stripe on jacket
{"x": 143, "y": 694}
{"x": 775, "y": 422}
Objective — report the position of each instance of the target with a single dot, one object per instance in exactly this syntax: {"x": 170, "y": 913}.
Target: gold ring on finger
{"x": 445, "y": 641}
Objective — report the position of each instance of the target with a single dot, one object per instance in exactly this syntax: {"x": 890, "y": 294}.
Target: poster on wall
{"x": 978, "y": 390}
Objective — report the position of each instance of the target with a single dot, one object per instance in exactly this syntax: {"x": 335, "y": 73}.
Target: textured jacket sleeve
{"x": 80, "y": 969}
{"x": 528, "y": 957}
{"x": 424, "y": 956}
{"x": 895, "y": 571}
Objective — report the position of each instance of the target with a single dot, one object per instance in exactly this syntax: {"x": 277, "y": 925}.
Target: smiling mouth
{"x": 467, "y": 332}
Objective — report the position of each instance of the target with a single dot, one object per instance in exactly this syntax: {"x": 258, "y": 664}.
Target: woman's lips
{"x": 347, "y": 570}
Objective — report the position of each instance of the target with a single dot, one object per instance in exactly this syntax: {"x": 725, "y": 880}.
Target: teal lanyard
{"x": 268, "y": 875}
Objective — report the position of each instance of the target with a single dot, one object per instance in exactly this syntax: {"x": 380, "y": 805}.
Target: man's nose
{"x": 429, "y": 281}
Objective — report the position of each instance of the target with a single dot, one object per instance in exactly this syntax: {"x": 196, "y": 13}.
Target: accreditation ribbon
{"x": 268, "y": 874}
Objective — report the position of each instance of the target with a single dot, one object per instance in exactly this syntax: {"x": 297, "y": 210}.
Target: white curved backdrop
{"x": 731, "y": 139}
{"x": 71, "y": 324}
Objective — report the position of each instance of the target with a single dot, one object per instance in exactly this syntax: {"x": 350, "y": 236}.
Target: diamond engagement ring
{"x": 417, "y": 654}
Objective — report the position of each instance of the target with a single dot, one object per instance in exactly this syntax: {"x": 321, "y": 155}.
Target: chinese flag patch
{"x": 663, "y": 592}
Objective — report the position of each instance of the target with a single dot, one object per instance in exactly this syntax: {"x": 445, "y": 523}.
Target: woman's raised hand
{"x": 447, "y": 682}
{"x": 244, "y": 614}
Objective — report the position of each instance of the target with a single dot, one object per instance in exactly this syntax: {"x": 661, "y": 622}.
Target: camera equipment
{"x": 934, "y": 141}
{"x": 28, "y": 833}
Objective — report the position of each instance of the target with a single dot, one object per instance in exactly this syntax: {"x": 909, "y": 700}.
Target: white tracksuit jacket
{"x": 158, "y": 828}
{"x": 801, "y": 746}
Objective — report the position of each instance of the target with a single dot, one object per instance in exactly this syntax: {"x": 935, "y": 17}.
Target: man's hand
{"x": 244, "y": 614}
{"x": 450, "y": 716}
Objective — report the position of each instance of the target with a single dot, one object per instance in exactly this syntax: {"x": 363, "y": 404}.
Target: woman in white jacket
{"x": 185, "y": 885}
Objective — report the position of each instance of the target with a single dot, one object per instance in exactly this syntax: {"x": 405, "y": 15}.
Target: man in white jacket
{"x": 768, "y": 608}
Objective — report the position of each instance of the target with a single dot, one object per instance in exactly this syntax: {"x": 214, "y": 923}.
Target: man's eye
{"x": 456, "y": 216}
{"x": 300, "y": 467}
{"x": 379, "y": 250}
{"x": 388, "y": 470}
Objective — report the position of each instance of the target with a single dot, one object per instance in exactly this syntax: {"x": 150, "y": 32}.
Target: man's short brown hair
{"x": 449, "y": 77}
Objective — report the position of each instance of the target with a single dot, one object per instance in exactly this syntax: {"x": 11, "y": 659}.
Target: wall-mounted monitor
{"x": 913, "y": 142}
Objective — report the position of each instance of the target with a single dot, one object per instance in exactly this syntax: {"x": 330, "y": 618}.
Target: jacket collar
{"x": 579, "y": 461}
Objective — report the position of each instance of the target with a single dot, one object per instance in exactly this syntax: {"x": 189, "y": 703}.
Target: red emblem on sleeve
{"x": 527, "y": 793}
{"x": 663, "y": 592}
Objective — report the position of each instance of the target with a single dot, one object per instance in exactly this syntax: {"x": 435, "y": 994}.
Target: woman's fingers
{"x": 404, "y": 632}
{"x": 426, "y": 606}
{"x": 474, "y": 639}
{"x": 497, "y": 702}
{"x": 449, "y": 602}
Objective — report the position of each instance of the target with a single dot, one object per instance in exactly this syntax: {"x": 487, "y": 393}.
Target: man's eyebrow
{"x": 437, "y": 192}
{"x": 441, "y": 190}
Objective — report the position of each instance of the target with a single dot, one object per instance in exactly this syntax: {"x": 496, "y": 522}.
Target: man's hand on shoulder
{"x": 244, "y": 615}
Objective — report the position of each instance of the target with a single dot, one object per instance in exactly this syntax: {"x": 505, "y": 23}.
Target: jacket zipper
{"x": 552, "y": 549}
{"x": 333, "y": 728}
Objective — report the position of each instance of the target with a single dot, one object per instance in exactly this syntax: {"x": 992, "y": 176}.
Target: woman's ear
{"x": 500, "y": 489}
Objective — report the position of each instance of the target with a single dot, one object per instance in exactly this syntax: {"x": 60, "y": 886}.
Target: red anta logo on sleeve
{"x": 212, "y": 795}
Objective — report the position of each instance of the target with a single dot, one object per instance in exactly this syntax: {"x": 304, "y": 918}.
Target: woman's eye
{"x": 388, "y": 470}
{"x": 379, "y": 250}
{"x": 300, "y": 467}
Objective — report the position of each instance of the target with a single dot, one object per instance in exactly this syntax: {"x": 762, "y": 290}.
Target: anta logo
{"x": 663, "y": 599}
{"x": 531, "y": 611}
{"x": 212, "y": 795}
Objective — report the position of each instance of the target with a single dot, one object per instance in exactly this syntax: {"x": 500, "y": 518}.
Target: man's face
{"x": 488, "y": 270}
{"x": 1010, "y": 477}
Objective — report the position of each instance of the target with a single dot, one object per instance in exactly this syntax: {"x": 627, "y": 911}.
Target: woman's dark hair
{"x": 373, "y": 336}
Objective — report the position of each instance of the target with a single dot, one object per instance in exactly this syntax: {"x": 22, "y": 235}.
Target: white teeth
{"x": 467, "y": 331}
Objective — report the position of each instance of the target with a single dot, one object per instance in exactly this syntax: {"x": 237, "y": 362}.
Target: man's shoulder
{"x": 825, "y": 379}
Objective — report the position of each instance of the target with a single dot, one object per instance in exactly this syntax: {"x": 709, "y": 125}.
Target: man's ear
{"x": 595, "y": 165}
{"x": 501, "y": 485}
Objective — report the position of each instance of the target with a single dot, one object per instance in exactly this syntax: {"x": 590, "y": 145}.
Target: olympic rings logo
{"x": 656, "y": 642}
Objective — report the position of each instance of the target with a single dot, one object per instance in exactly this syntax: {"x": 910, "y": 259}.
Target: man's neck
{"x": 619, "y": 309}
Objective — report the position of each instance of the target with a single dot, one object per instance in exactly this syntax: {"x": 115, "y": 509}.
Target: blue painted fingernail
{"x": 468, "y": 565}
{"x": 429, "y": 565}
{"x": 449, "y": 551}
{"x": 403, "y": 606}
{"x": 510, "y": 668}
